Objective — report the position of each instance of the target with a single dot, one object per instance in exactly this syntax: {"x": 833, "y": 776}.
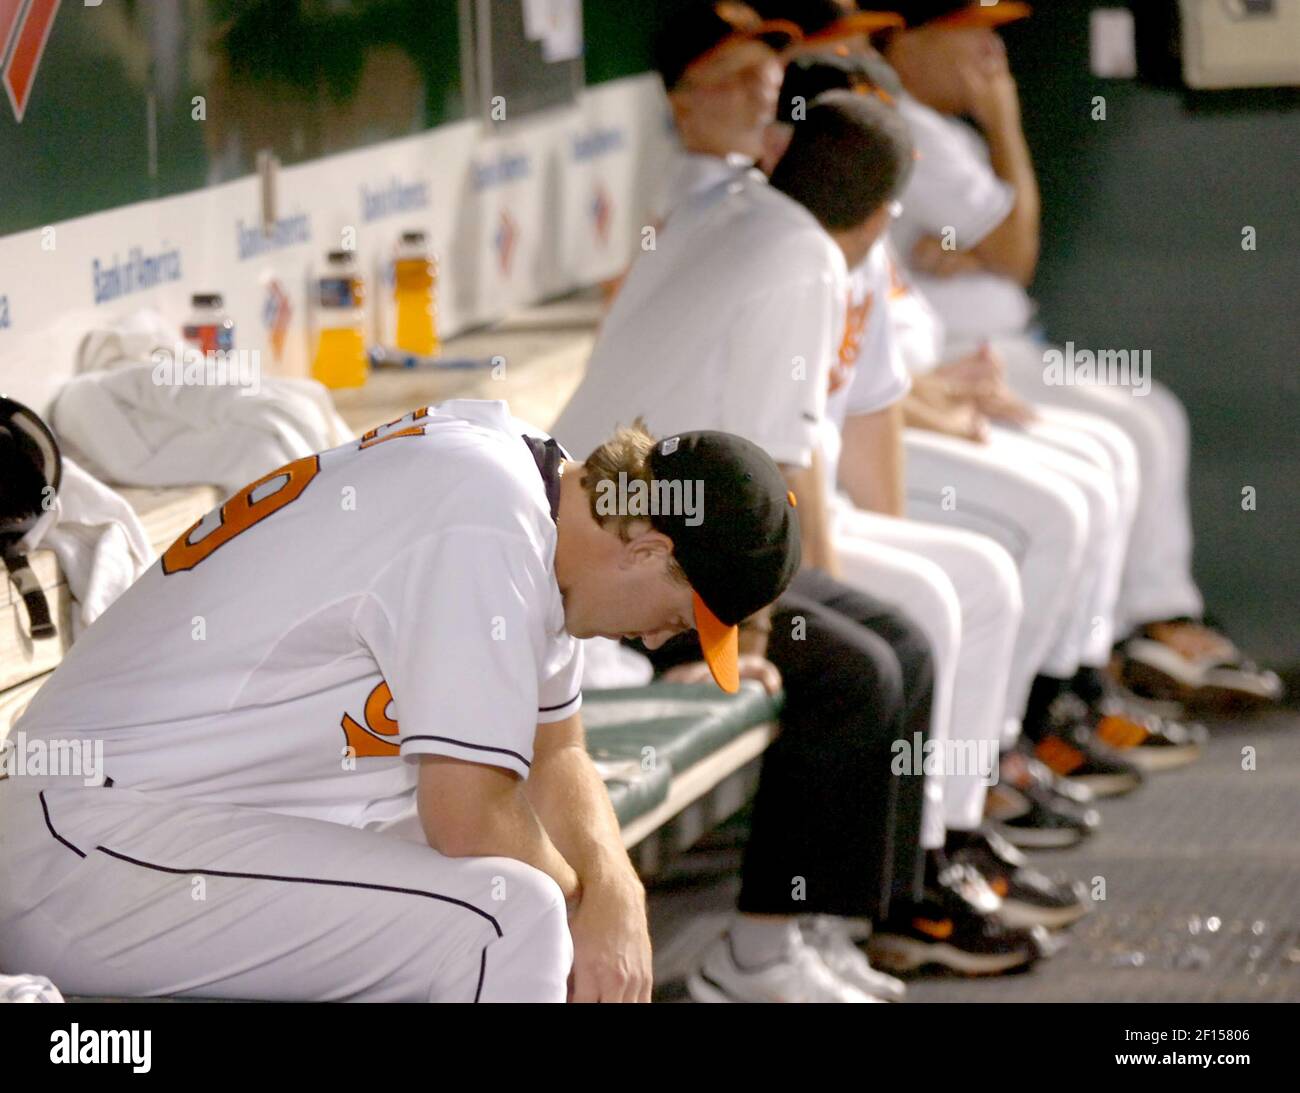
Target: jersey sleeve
{"x": 560, "y": 695}
{"x": 457, "y": 625}
{"x": 880, "y": 377}
{"x": 952, "y": 185}
{"x": 779, "y": 356}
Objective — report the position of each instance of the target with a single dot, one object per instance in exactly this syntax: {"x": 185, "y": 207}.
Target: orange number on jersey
{"x": 414, "y": 430}
{"x": 412, "y": 416}
{"x": 365, "y": 740}
{"x": 240, "y": 513}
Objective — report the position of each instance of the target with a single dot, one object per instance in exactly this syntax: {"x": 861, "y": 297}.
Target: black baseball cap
{"x": 698, "y": 30}
{"x": 808, "y": 77}
{"x": 824, "y": 21}
{"x": 742, "y": 551}
{"x": 961, "y": 13}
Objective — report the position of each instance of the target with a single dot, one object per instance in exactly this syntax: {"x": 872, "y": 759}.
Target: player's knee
{"x": 1061, "y": 521}
{"x": 914, "y": 656}
{"x": 524, "y": 897}
{"x": 869, "y": 684}
{"x": 996, "y": 580}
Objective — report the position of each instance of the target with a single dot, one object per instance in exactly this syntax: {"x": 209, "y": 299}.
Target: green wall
{"x": 1142, "y": 228}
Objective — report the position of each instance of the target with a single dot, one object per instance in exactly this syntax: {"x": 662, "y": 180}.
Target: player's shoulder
{"x": 782, "y": 241}
{"x": 467, "y": 457}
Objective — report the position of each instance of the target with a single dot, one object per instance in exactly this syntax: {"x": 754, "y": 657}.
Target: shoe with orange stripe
{"x": 1029, "y": 898}
{"x": 1149, "y": 742}
{"x": 950, "y": 929}
{"x": 1071, "y": 751}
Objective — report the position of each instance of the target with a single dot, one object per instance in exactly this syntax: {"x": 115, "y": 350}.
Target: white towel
{"x": 128, "y": 424}
{"x": 28, "y": 988}
{"x": 128, "y": 341}
{"x": 608, "y": 664}
{"x": 98, "y": 539}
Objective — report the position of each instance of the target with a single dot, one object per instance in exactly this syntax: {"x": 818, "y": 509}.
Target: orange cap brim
{"x": 757, "y": 33}
{"x": 977, "y": 15}
{"x": 860, "y": 22}
{"x": 721, "y": 645}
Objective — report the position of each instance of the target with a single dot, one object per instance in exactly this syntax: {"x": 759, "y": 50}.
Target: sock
{"x": 757, "y": 942}
{"x": 1045, "y": 691}
{"x": 1089, "y": 684}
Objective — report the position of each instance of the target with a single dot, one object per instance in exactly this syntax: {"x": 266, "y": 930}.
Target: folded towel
{"x": 132, "y": 421}
{"x": 98, "y": 539}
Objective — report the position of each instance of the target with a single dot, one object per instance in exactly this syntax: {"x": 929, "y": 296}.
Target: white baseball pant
{"x": 963, "y": 591}
{"x": 1038, "y": 516}
{"x": 1157, "y": 581}
{"x": 111, "y": 891}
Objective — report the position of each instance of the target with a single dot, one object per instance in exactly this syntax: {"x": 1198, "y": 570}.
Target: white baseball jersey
{"x": 387, "y": 598}
{"x": 689, "y": 173}
{"x": 731, "y": 323}
{"x": 869, "y": 373}
{"x": 954, "y": 187}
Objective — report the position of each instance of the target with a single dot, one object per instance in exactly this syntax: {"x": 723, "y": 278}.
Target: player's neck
{"x": 572, "y": 523}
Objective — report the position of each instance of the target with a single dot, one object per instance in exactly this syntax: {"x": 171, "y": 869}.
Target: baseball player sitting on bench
{"x": 337, "y": 730}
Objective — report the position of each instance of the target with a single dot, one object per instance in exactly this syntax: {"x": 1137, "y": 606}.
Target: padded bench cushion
{"x": 682, "y": 723}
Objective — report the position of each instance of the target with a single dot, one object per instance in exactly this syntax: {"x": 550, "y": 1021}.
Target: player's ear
{"x": 648, "y": 547}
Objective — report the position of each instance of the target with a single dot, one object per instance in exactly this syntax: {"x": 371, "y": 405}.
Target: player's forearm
{"x": 573, "y": 805}
{"x": 504, "y": 825}
{"x": 1012, "y": 247}
{"x": 871, "y": 462}
{"x": 808, "y": 486}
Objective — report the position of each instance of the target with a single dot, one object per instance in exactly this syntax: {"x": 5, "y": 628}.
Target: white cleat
{"x": 799, "y": 976}
{"x": 832, "y": 937}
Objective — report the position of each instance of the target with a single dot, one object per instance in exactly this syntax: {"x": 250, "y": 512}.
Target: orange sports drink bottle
{"x": 415, "y": 285}
{"x": 340, "y": 359}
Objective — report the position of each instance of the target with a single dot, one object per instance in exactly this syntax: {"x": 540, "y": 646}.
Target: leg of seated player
{"x": 1157, "y": 582}
{"x": 987, "y": 587}
{"x": 857, "y": 677}
{"x": 118, "y": 892}
{"x": 1040, "y": 518}
{"x": 907, "y": 580}
{"x": 1089, "y": 631}
{"x": 1100, "y": 442}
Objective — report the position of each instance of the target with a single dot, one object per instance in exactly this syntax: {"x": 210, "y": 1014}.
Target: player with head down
{"x": 341, "y": 750}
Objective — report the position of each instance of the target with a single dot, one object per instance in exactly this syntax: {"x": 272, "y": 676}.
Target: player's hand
{"x": 974, "y": 370}
{"x": 611, "y": 942}
{"x": 999, "y": 403}
{"x": 930, "y": 256}
{"x": 748, "y": 665}
{"x": 990, "y": 94}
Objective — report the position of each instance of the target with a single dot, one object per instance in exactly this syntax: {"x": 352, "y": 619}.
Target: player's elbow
{"x": 458, "y": 836}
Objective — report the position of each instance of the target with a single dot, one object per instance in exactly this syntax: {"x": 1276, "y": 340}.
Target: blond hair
{"x": 627, "y": 452}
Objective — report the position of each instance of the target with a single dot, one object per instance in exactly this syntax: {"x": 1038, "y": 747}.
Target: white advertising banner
{"x": 542, "y": 206}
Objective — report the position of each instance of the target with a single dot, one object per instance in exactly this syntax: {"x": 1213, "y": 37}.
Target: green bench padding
{"x": 683, "y": 724}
